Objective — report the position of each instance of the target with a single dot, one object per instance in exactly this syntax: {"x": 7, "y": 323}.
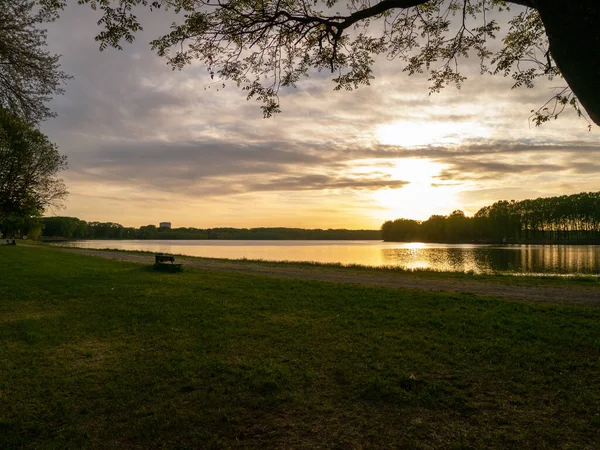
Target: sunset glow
{"x": 416, "y": 201}
{"x": 416, "y": 170}
{"x": 155, "y": 145}
{"x": 420, "y": 198}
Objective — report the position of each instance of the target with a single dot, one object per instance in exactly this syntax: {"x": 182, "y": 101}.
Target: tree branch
{"x": 377, "y": 9}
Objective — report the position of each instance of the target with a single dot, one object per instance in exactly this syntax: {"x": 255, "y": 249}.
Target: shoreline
{"x": 557, "y": 290}
{"x": 507, "y": 242}
{"x": 388, "y": 268}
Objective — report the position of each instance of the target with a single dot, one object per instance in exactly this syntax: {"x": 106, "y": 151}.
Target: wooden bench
{"x": 161, "y": 260}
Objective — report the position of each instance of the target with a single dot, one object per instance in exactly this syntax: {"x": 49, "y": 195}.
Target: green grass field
{"x": 104, "y": 354}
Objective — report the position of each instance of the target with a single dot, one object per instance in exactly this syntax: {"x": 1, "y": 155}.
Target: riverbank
{"x": 521, "y": 260}
{"x": 569, "y": 290}
{"x": 99, "y": 353}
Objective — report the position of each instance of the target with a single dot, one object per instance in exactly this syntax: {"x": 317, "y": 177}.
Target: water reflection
{"x": 550, "y": 259}
{"x": 557, "y": 259}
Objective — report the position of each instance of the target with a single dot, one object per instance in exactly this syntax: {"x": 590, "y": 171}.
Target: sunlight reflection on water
{"x": 524, "y": 259}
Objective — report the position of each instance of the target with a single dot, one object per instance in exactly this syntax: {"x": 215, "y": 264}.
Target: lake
{"x": 521, "y": 259}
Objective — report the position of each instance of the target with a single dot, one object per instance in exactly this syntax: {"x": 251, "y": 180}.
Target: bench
{"x": 161, "y": 260}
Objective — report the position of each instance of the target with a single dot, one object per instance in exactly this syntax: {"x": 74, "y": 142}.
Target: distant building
{"x": 164, "y": 225}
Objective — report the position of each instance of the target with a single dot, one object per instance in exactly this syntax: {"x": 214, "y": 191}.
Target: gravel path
{"x": 549, "y": 294}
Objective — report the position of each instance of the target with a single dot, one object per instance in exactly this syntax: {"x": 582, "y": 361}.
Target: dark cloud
{"x": 323, "y": 182}
{"x": 481, "y": 147}
{"x": 220, "y": 168}
{"x": 187, "y": 162}
{"x": 215, "y": 168}
{"x": 463, "y": 169}
{"x": 585, "y": 167}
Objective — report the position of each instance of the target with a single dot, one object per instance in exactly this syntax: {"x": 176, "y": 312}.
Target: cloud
{"x": 135, "y": 130}
{"x": 220, "y": 168}
{"x": 464, "y": 169}
{"x": 322, "y": 182}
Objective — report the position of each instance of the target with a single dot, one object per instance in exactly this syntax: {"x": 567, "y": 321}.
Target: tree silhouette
{"x": 566, "y": 218}
{"x": 263, "y": 45}
{"x": 29, "y": 74}
{"x": 29, "y": 164}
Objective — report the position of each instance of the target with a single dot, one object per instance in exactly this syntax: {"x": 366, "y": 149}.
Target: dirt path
{"x": 548, "y": 294}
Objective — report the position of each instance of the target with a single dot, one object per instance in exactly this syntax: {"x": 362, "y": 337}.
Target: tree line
{"x": 566, "y": 218}
{"x": 74, "y": 228}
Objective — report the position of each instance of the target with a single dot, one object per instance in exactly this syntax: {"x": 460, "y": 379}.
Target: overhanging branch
{"x": 377, "y": 9}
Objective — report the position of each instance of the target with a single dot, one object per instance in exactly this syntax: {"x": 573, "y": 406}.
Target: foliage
{"x": 268, "y": 45}
{"x": 98, "y": 353}
{"x": 29, "y": 74}
{"x": 71, "y": 227}
{"x": 29, "y": 164}
{"x": 566, "y": 218}
{"x": 526, "y": 57}
{"x": 67, "y": 227}
{"x": 19, "y": 226}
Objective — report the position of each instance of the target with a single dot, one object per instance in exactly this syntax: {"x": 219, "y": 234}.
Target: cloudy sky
{"x": 146, "y": 144}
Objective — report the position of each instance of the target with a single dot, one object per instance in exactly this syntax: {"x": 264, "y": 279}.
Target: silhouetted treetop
{"x": 566, "y": 218}
{"x": 29, "y": 74}
{"x": 264, "y": 45}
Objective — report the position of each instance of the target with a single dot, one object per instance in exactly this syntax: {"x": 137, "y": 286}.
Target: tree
{"x": 67, "y": 227}
{"x": 29, "y": 74}
{"x": 554, "y": 219}
{"x": 263, "y": 45}
{"x": 29, "y": 164}
{"x": 404, "y": 230}
{"x": 21, "y": 226}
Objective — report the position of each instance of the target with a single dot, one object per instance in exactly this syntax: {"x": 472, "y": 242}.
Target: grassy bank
{"x": 547, "y": 280}
{"x": 98, "y": 353}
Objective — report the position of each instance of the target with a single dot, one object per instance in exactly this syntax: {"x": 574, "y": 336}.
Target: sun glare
{"x": 414, "y": 245}
{"x": 422, "y": 197}
{"x": 416, "y": 170}
{"x": 416, "y": 201}
{"x": 418, "y": 134}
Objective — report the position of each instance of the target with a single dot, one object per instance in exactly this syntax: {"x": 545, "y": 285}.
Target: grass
{"x": 104, "y": 354}
{"x": 579, "y": 280}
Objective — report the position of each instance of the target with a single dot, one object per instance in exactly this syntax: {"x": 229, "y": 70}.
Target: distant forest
{"x": 74, "y": 228}
{"x": 568, "y": 218}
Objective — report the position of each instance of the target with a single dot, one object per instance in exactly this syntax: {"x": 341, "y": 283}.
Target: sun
{"x": 422, "y": 197}
{"x": 416, "y": 201}
{"x": 419, "y": 134}
{"x": 415, "y": 170}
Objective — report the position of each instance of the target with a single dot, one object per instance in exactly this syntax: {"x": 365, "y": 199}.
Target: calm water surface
{"x": 525, "y": 259}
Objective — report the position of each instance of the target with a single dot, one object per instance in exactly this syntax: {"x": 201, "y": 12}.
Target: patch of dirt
{"x": 546, "y": 294}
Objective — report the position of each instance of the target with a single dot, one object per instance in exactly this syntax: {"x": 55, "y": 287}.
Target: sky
{"x": 147, "y": 144}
